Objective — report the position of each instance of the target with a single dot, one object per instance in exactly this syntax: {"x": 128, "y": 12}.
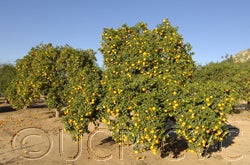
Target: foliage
{"x": 84, "y": 94}
{"x": 234, "y": 75}
{"x": 67, "y": 77}
{"x": 7, "y": 73}
{"x": 202, "y": 114}
{"x": 148, "y": 80}
{"x": 21, "y": 92}
{"x": 48, "y": 71}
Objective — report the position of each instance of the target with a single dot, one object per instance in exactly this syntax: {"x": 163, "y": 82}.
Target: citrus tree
{"x": 202, "y": 114}
{"x": 21, "y": 91}
{"x": 234, "y": 75}
{"x": 7, "y": 73}
{"x": 45, "y": 74}
{"x": 49, "y": 71}
{"x": 33, "y": 78}
{"x": 83, "y": 93}
{"x": 145, "y": 71}
{"x": 148, "y": 80}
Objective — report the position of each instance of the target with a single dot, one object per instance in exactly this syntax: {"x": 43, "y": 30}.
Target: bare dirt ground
{"x": 35, "y": 136}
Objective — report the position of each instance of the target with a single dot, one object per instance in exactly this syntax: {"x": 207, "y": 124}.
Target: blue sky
{"x": 214, "y": 28}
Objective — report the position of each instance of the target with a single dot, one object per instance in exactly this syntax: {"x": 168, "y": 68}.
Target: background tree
{"x": 7, "y": 73}
{"x": 49, "y": 71}
{"x": 233, "y": 75}
{"x": 21, "y": 91}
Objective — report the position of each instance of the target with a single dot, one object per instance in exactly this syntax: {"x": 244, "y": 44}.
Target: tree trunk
{"x": 58, "y": 113}
{"x": 25, "y": 107}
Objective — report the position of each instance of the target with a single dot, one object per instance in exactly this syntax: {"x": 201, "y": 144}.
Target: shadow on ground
{"x": 38, "y": 105}
{"x": 6, "y": 108}
{"x": 175, "y": 146}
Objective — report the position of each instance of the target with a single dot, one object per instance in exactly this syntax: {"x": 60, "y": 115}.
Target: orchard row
{"x": 147, "y": 80}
